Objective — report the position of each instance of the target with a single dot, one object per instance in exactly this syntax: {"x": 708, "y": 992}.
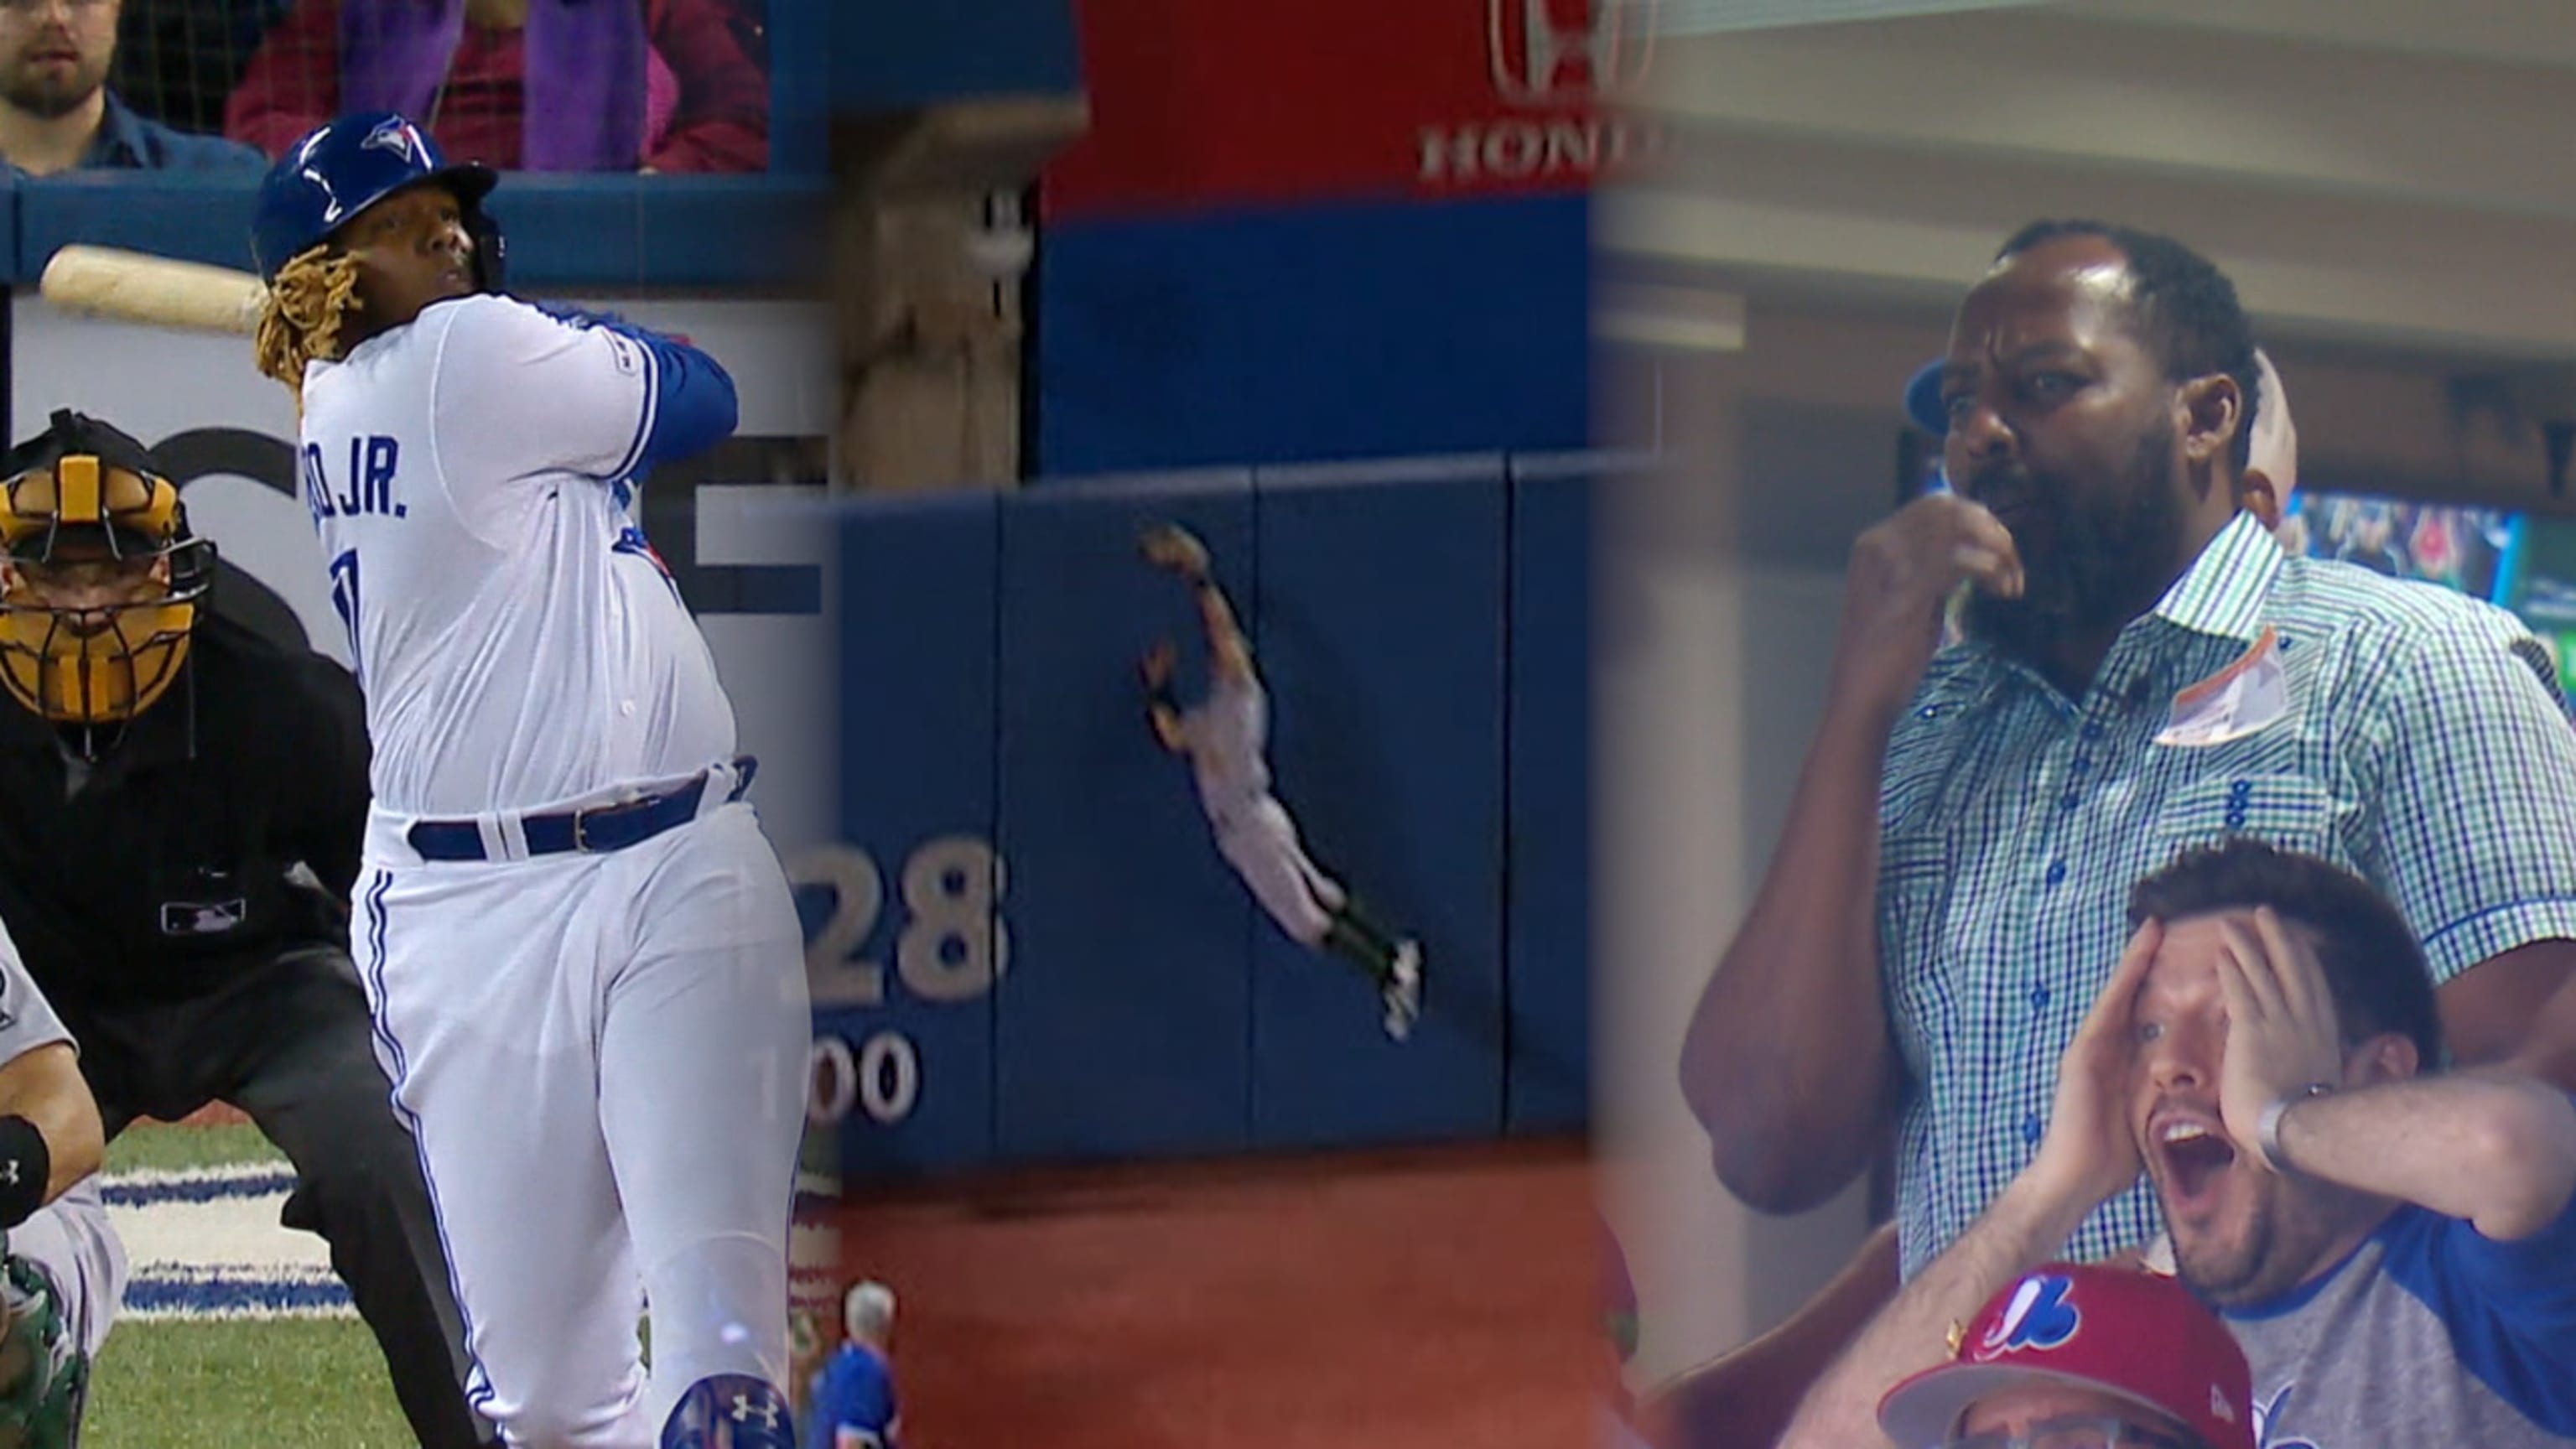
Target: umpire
{"x": 181, "y": 802}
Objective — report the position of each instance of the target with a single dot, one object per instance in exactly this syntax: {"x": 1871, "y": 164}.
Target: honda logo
{"x": 1568, "y": 52}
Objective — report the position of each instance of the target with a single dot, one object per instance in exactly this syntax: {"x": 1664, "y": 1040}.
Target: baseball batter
{"x": 1226, "y": 738}
{"x": 584, "y": 964}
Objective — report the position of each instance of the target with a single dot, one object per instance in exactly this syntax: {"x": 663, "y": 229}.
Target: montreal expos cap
{"x": 2138, "y": 1336}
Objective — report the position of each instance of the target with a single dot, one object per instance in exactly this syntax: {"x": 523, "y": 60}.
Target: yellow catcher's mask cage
{"x": 99, "y": 577}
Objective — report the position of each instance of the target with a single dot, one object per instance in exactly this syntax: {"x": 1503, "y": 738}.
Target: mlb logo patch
{"x": 202, "y": 918}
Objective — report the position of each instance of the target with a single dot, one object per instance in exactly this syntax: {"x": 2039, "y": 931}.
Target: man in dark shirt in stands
{"x": 181, "y": 803}
{"x": 57, "y": 114}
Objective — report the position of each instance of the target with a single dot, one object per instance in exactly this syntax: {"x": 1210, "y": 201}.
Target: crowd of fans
{"x": 638, "y": 86}
{"x": 2212, "y": 927}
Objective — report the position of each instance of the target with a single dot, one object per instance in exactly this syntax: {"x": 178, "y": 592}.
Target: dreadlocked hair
{"x": 312, "y": 296}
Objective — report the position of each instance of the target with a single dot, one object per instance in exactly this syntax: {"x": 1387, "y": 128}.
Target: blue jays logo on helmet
{"x": 402, "y": 138}
{"x": 345, "y": 166}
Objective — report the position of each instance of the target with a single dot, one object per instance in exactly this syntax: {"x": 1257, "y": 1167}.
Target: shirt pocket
{"x": 1916, "y": 878}
{"x": 2289, "y": 811}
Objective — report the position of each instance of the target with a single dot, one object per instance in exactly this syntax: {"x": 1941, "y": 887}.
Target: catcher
{"x": 1225, "y": 738}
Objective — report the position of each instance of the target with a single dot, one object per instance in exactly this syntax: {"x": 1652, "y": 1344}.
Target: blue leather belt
{"x": 594, "y": 831}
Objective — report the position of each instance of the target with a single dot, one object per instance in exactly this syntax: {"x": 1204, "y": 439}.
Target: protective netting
{"x": 540, "y": 85}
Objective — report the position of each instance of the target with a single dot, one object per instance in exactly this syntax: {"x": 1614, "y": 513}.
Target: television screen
{"x": 2539, "y": 584}
{"x": 2525, "y": 564}
{"x": 2458, "y": 548}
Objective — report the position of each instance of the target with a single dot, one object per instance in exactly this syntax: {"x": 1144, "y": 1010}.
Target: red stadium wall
{"x": 1334, "y": 230}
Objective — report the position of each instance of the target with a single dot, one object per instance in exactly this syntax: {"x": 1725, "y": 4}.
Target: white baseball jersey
{"x": 1229, "y": 739}
{"x": 520, "y": 644}
{"x": 1228, "y": 735}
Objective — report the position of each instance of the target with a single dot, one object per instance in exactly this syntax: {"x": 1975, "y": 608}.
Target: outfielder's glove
{"x": 1173, "y": 547}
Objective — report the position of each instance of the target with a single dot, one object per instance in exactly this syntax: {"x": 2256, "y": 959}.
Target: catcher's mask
{"x": 99, "y": 577}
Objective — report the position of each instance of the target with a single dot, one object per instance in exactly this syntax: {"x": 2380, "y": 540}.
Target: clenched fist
{"x": 1902, "y": 573}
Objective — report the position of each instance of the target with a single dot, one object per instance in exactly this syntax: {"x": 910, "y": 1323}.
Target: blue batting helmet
{"x": 345, "y": 166}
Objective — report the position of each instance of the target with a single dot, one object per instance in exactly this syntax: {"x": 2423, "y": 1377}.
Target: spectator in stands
{"x": 56, "y": 112}
{"x": 535, "y": 85}
{"x": 2145, "y": 668}
{"x": 851, "y": 1404}
{"x": 2393, "y": 1246}
{"x": 2080, "y": 1358}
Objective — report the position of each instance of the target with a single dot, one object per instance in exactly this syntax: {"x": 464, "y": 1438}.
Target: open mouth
{"x": 2196, "y": 1155}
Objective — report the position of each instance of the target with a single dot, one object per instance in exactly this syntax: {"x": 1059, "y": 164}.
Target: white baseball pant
{"x": 1260, "y": 841}
{"x": 603, "y": 1060}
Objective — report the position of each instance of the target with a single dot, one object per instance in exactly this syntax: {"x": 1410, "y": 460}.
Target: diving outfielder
{"x": 584, "y": 965}
{"x": 1226, "y": 738}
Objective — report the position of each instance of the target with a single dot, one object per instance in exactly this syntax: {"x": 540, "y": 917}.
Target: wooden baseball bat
{"x": 157, "y": 291}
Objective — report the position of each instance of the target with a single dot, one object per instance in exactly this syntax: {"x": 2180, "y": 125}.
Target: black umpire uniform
{"x": 177, "y": 882}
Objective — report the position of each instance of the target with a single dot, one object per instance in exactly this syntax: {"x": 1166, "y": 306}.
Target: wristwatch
{"x": 2267, "y": 1128}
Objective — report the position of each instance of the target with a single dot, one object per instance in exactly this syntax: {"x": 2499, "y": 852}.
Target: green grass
{"x": 299, "y": 1383}
{"x": 302, "y": 1383}
{"x": 153, "y": 1145}
{"x": 278, "y": 1384}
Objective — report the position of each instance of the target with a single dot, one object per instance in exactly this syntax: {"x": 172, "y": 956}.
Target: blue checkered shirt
{"x": 2424, "y": 748}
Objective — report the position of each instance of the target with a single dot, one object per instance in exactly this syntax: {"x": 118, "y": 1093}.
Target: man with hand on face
{"x": 2144, "y": 669}
{"x": 2393, "y": 1246}
{"x": 1759, "y": 1385}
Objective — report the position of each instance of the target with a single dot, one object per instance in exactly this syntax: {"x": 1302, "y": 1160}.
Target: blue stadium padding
{"x": 1122, "y": 1027}
{"x": 714, "y": 231}
{"x": 1548, "y": 839}
{"x": 1328, "y": 332}
{"x": 918, "y": 579}
{"x": 565, "y": 232}
{"x": 800, "y": 88}
{"x": 1382, "y": 644}
{"x": 896, "y": 54}
{"x": 193, "y": 216}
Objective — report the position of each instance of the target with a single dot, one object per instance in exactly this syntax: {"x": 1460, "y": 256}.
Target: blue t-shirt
{"x": 855, "y": 1390}
{"x": 2429, "y": 1335}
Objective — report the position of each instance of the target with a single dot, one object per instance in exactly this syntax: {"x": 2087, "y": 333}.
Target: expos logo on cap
{"x": 2134, "y": 1335}
{"x": 2038, "y": 1316}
